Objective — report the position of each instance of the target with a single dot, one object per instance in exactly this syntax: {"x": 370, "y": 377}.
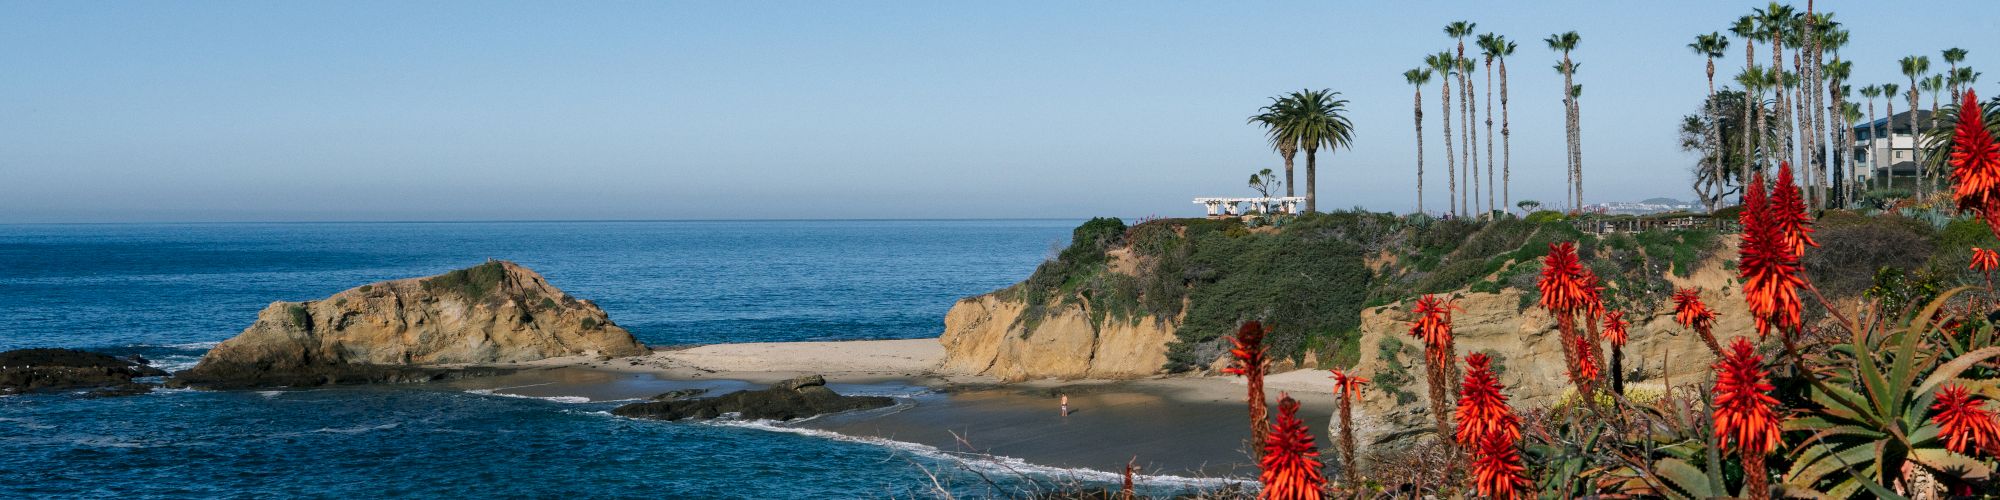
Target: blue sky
{"x": 155, "y": 111}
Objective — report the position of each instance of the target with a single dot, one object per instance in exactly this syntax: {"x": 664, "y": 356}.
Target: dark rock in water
{"x": 797, "y": 398}
{"x": 28, "y": 370}
{"x": 322, "y": 375}
{"x": 679, "y": 395}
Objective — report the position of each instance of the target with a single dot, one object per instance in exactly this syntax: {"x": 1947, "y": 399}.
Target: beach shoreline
{"x": 1171, "y": 426}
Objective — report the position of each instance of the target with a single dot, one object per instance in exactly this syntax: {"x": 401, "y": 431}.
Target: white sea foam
{"x": 558, "y": 399}
{"x": 270, "y": 394}
{"x": 194, "y": 345}
{"x": 988, "y": 464}
{"x": 358, "y": 430}
{"x": 176, "y": 363}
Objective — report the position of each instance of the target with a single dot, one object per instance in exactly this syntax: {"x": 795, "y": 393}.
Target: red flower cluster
{"x": 1963, "y": 420}
{"x": 1247, "y": 350}
{"x": 1586, "y": 359}
{"x": 1433, "y": 326}
{"x": 1565, "y": 285}
{"x": 1346, "y": 384}
{"x": 1769, "y": 264}
{"x": 1744, "y": 414}
{"x": 1291, "y": 467}
{"x": 1482, "y": 410}
{"x": 1985, "y": 259}
{"x": 1497, "y": 471}
{"x": 1690, "y": 312}
{"x": 1614, "y": 328}
{"x": 1975, "y": 162}
{"x": 1788, "y": 213}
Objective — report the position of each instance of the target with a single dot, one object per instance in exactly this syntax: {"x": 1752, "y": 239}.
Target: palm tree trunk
{"x": 1891, "y": 177}
{"x": 1749, "y": 148}
{"x": 1450, "y": 160}
{"x": 1576, "y": 144}
{"x": 1763, "y": 132}
{"x": 1312, "y": 171}
{"x": 1506, "y": 144}
{"x": 1289, "y": 154}
{"x": 1874, "y": 134}
{"x": 1569, "y": 135}
{"x": 1916, "y": 154}
{"x": 1465, "y": 153}
{"x": 1715, "y": 141}
{"x": 1472, "y": 142}
{"x": 1489, "y": 136}
{"x": 1419, "y": 108}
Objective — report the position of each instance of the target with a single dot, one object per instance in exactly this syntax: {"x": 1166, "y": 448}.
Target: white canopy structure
{"x": 1234, "y": 207}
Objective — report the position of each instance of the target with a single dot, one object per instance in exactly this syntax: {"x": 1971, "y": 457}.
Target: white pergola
{"x": 1234, "y": 207}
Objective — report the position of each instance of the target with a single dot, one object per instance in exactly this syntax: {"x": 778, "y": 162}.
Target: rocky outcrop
{"x": 986, "y": 335}
{"x": 797, "y": 398}
{"x": 30, "y": 370}
{"x": 403, "y": 330}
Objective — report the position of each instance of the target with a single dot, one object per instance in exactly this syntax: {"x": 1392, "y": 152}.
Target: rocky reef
{"x": 796, "y": 398}
{"x": 413, "y": 330}
{"x": 33, "y": 370}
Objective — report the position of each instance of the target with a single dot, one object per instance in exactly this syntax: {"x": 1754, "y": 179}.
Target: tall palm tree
{"x": 1276, "y": 119}
{"x": 1489, "y": 48}
{"x": 1953, "y": 56}
{"x": 1710, "y": 46}
{"x": 1458, "y": 30}
{"x": 1756, "y": 148}
{"x": 1916, "y": 67}
{"x": 1849, "y": 113}
{"x": 1933, "y": 86}
{"x": 1774, "y": 21}
{"x": 1889, "y": 92}
{"x": 1960, "y": 79}
{"x": 1745, "y": 29}
{"x": 1564, "y": 43}
{"x": 1417, "y": 77}
{"x": 1505, "y": 48}
{"x": 1837, "y": 73}
{"x": 1322, "y": 121}
{"x": 1871, "y": 92}
{"x": 1444, "y": 64}
{"x": 1470, "y": 112}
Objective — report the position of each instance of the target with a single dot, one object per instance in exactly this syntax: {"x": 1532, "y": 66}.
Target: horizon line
{"x": 495, "y": 221}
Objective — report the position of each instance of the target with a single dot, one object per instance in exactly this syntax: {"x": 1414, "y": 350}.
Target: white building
{"x": 1894, "y": 148}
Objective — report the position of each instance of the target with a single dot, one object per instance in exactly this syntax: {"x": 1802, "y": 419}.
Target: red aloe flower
{"x": 1497, "y": 470}
{"x": 1975, "y": 162}
{"x": 1690, "y": 312}
{"x": 1247, "y": 350}
{"x": 1788, "y": 214}
{"x": 1433, "y": 326}
{"x": 1291, "y": 466}
{"x": 1984, "y": 260}
{"x": 1586, "y": 369}
{"x": 1482, "y": 409}
{"x": 1346, "y": 385}
{"x": 1963, "y": 420}
{"x": 1563, "y": 285}
{"x": 1769, "y": 270}
{"x": 1614, "y": 328}
{"x": 1744, "y": 414}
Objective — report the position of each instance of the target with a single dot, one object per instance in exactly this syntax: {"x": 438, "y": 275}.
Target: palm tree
{"x": 1932, "y": 86}
{"x": 1756, "y": 148}
{"x": 1488, "y": 47}
{"x": 1889, "y": 92}
{"x": 1459, "y": 30}
{"x": 1960, "y": 79}
{"x": 1837, "y": 73}
{"x": 1275, "y": 118}
{"x": 1417, "y": 77}
{"x": 1470, "y": 112}
{"x": 1745, "y": 28}
{"x": 1849, "y": 113}
{"x": 1322, "y": 121}
{"x": 1774, "y": 21}
{"x": 1831, "y": 39}
{"x": 1953, "y": 56}
{"x": 1916, "y": 67}
{"x": 1445, "y": 65}
{"x": 1566, "y": 42}
{"x": 1710, "y": 46}
{"x": 1871, "y": 92}
{"x": 1505, "y": 48}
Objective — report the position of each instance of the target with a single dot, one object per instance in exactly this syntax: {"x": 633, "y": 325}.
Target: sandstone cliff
{"x": 985, "y": 335}
{"x": 492, "y": 313}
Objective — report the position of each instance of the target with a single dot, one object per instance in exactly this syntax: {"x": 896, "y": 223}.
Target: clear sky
{"x": 158, "y": 111}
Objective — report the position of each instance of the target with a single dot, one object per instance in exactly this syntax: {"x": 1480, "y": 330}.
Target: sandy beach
{"x": 1179, "y": 426}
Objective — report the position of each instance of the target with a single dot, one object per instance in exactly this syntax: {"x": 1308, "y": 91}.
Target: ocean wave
{"x": 195, "y": 345}
{"x": 359, "y": 429}
{"x": 176, "y": 363}
{"x": 558, "y": 399}
{"x": 989, "y": 464}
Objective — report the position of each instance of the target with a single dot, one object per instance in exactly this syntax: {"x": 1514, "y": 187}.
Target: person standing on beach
{"x": 1065, "y": 405}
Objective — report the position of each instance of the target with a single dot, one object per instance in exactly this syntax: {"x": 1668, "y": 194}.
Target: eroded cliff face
{"x": 493, "y": 313}
{"x": 984, "y": 336}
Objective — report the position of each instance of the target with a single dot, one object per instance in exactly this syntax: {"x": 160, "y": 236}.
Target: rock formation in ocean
{"x": 413, "y": 330}
{"x": 796, "y": 398}
{"x": 986, "y": 335}
{"x": 30, "y": 370}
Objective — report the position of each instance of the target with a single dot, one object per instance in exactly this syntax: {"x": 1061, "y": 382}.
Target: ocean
{"x": 170, "y": 291}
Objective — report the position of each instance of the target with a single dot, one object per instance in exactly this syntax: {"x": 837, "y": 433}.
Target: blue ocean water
{"x": 169, "y": 291}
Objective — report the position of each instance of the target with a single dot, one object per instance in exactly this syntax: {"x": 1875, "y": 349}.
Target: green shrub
{"x": 472, "y": 283}
{"x": 301, "y": 318}
{"x": 1541, "y": 216}
{"x": 588, "y": 323}
{"x": 548, "y": 303}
